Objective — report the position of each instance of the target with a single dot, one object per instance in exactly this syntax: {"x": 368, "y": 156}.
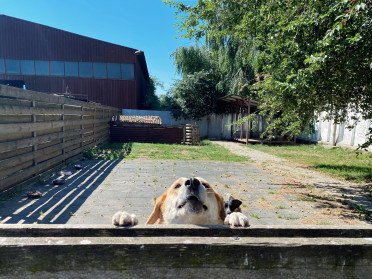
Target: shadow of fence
{"x": 58, "y": 203}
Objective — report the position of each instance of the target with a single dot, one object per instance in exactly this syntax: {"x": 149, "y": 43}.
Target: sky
{"x": 148, "y": 25}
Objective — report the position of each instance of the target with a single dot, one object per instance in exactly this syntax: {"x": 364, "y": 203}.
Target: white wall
{"x": 324, "y": 132}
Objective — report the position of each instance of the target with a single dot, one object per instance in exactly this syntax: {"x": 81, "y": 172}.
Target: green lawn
{"x": 340, "y": 162}
{"x": 205, "y": 151}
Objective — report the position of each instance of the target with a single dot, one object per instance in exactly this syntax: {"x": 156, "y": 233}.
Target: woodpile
{"x": 137, "y": 119}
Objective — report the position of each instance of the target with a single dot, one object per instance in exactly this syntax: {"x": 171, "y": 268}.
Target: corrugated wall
{"x": 26, "y": 40}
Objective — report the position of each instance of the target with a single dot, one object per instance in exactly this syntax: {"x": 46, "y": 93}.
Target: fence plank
{"x": 20, "y": 110}
{"x": 57, "y": 129}
{"x": 34, "y": 155}
{"x": 27, "y": 173}
{"x": 12, "y": 92}
{"x": 17, "y": 144}
{"x": 40, "y": 126}
{"x": 18, "y": 177}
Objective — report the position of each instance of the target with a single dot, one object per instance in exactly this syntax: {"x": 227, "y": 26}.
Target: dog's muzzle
{"x": 192, "y": 199}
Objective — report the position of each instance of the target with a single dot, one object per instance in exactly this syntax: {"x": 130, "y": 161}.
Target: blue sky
{"x": 148, "y": 25}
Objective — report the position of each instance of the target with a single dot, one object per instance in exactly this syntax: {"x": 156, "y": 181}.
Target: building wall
{"x": 343, "y": 136}
{"x": 23, "y": 40}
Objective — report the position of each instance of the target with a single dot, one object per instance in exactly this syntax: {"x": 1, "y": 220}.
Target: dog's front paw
{"x": 122, "y": 218}
{"x": 236, "y": 219}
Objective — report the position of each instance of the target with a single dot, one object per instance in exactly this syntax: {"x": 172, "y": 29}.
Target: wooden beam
{"x": 40, "y": 126}
{"x": 183, "y": 251}
{"x": 248, "y": 135}
{"x": 241, "y": 125}
{"x": 22, "y": 143}
{"x": 12, "y": 92}
{"x": 20, "y": 110}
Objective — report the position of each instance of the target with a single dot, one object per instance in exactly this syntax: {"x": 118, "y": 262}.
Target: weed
{"x": 109, "y": 151}
{"x": 254, "y": 215}
{"x": 307, "y": 198}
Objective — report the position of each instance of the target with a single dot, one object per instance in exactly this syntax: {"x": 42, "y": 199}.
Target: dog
{"x": 232, "y": 205}
{"x": 187, "y": 201}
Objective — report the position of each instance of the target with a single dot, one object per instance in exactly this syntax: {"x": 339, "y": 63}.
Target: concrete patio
{"x": 101, "y": 188}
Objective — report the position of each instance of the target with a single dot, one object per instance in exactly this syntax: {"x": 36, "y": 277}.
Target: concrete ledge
{"x": 61, "y": 251}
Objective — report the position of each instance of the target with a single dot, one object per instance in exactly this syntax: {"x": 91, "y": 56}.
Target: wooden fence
{"x": 147, "y": 133}
{"x": 39, "y": 131}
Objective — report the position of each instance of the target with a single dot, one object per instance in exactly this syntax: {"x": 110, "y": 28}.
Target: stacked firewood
{"x": 139, "y": 119}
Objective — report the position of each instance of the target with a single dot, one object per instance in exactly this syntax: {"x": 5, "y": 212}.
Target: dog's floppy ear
{"x": 157, "y": 214}
{"x": 234, "y": 204}
{"x": 221, "y": 206}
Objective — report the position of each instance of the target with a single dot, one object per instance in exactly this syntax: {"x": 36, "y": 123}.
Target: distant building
{"x": 50, "y": 60}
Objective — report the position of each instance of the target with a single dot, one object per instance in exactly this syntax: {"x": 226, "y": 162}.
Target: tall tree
{"x": 306, "y": 56}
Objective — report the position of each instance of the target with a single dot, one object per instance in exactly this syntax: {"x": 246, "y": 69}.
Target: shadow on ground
{"x": 351, "y": 200}
{"x": 58, "y": 203}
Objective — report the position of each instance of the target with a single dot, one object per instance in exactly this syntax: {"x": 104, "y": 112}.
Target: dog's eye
{"x": 177, "y": 186}
{"x": 206, "y": 185}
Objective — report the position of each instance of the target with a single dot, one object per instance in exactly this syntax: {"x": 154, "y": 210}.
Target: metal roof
{"x": 238, "y": 99}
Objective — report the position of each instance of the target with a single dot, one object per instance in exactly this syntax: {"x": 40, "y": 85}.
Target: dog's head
{"x": 189, "y": 201}
{"x": 232, "y": 205}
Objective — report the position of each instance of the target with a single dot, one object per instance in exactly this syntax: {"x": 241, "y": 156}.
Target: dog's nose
{"x": 192, "y": 184}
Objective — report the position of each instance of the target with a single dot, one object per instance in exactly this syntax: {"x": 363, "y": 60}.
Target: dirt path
{"x": 308, "y": 182}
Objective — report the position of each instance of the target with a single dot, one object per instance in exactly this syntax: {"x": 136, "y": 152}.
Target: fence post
{"x": 63, "y": 128}
{"x": 248, "y": 122}
{"x": 81, "y": 126}
{"x": 184, "y": 134}
{"x": 94, "y": 124}
{"x": 34, "y": 134}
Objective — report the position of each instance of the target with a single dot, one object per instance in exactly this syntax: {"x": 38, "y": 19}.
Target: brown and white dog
{"x": 187, "y": 201}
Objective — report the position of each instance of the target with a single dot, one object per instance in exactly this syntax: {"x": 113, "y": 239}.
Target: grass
{"x": 340, "y": 162}
{"x": 205, "y": 151}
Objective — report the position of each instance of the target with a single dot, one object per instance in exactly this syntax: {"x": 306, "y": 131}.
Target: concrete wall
{"x": 343, "y": 136}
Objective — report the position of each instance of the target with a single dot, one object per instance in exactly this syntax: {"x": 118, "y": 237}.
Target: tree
{"x": 215, "y": 70}
{"x": 151, "y": 100}
{"x": 305, "y": 56}
{"x": 195, "y": 95}
{"x": 189, "y": 60}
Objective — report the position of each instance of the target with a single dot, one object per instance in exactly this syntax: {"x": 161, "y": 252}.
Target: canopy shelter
{"x": 239, "y": 107}
{"x": 249, "y": 131}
